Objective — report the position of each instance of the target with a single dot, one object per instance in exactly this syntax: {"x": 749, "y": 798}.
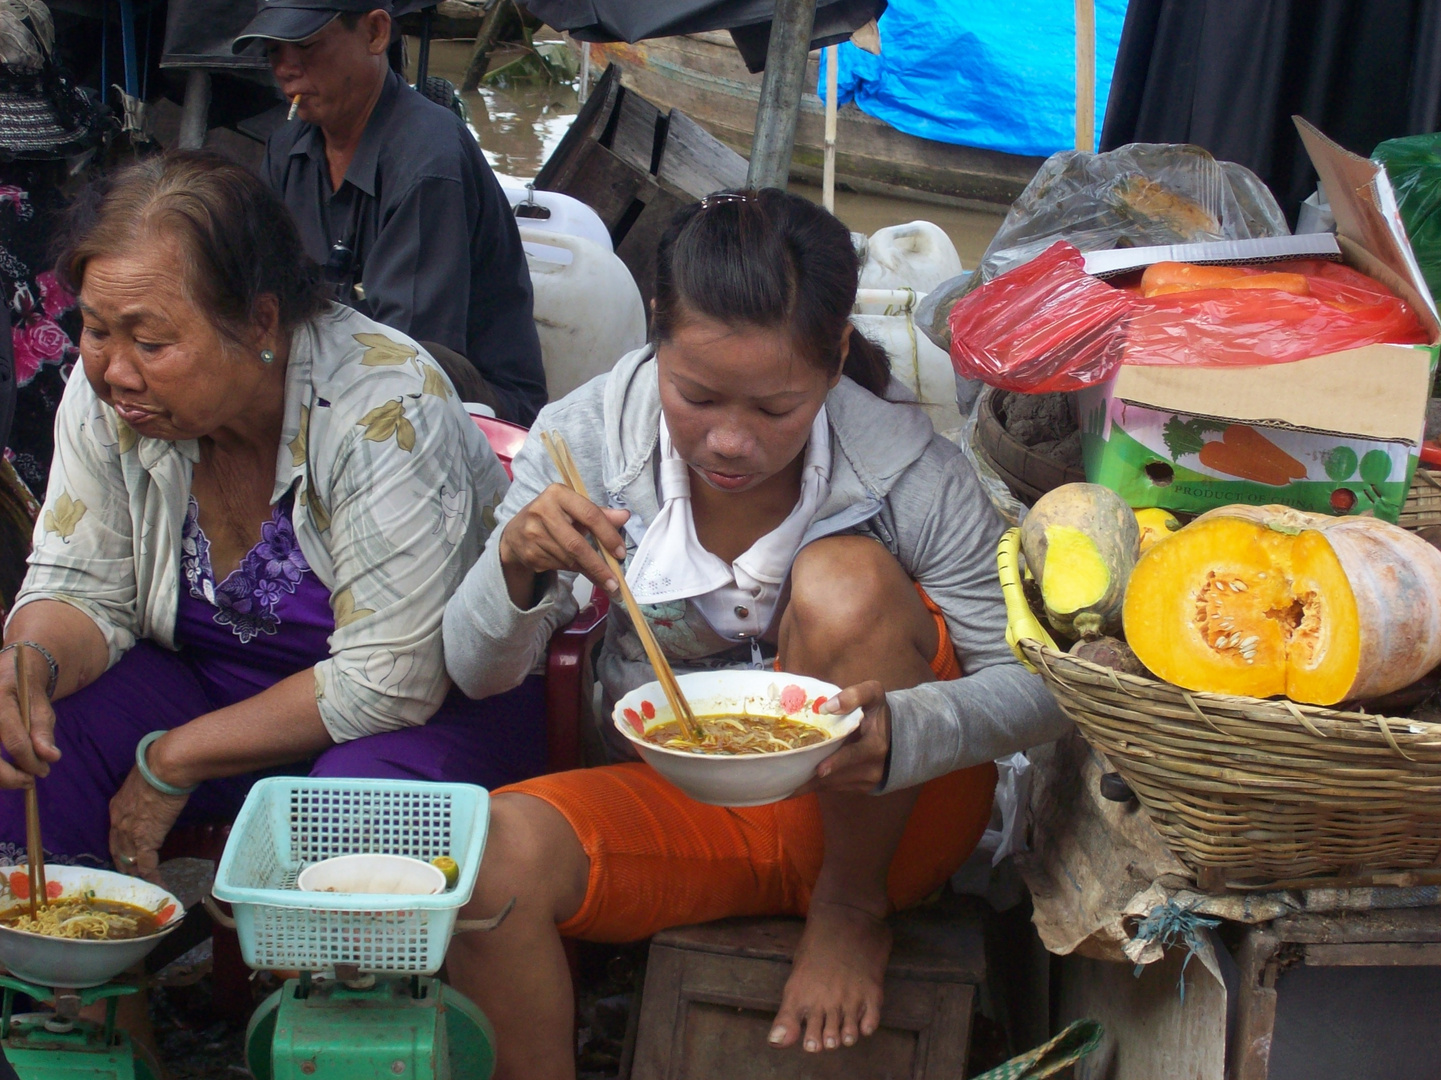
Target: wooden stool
{"x": 711, "y": 992}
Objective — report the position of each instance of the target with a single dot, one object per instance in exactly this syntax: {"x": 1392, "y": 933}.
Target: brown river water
{"x": 518, "y": 126}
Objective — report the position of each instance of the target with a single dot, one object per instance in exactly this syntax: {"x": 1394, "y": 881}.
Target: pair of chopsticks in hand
{"x": 559, "y": 452}
{"x": 34, "y": 848}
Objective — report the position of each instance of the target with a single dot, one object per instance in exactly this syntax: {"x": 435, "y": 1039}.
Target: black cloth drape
{"x": 749, "y": 21}
{"x": 1228, "y": 75}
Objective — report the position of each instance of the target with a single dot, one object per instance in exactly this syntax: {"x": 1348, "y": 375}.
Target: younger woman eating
{"x": 772, "y": 509}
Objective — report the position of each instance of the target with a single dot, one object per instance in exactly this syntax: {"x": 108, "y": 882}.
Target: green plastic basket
{"x": 288, "y": 823}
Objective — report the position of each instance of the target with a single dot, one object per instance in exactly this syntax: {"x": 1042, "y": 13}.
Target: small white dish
{"x": 391, "y": 875}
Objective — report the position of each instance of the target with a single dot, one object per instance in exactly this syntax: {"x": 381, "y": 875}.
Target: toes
{"x": 815, "y": 1026}
{"x": 786, "y": 1028}
{"x": 870, "y": 1013}
{"x": 831, "y": 1034}
{"x": 850, "y": 1026}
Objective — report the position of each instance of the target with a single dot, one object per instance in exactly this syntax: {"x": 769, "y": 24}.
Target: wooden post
{"x": 828, "y": 174}
{"x": 781, "y": 89}
{"x": 484, "y": 42}
{"x": 584, "y": 71}
{"x": 1086, "y": 75}
{"x": 422, "y": 65}
{"x": 195, "y": 116}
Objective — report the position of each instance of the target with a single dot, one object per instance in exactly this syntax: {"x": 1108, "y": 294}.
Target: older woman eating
{"x": 259, "y": 505}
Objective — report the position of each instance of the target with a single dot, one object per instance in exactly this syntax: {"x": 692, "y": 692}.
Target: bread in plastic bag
{"x": 1134, "y": 196}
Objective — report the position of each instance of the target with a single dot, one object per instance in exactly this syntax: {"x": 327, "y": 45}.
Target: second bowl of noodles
{"x": 97, "y": 924}
{"x": 763, "y": 735}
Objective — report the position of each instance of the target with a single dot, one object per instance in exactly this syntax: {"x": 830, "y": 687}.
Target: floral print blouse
{"x": 394, "y": 493}
{"x": 246, "y": 601}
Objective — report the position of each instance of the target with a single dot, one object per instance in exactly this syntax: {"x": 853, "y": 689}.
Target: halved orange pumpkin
{"x": 1267, "y": 601}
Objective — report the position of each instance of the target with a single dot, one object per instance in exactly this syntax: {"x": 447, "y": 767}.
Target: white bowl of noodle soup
{"x": 747, "y": 779}
{"x": 78, "y": 962}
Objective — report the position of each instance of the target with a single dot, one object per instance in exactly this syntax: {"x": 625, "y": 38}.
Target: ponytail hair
{"x": 773, "y": 260}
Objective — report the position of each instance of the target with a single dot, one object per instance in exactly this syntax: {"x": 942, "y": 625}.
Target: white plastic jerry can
{"x": 918, "y": 255}
{"x": 918, "y": 364}
{"x": 588, "y": 311}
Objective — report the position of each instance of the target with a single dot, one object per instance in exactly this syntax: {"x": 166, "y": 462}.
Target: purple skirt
{"x": 266, "y": 621}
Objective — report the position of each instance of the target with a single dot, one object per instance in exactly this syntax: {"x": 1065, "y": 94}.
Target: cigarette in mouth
{"x": 294, "y": 108}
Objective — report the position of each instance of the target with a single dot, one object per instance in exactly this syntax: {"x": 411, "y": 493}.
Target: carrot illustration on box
{"x": 1241, "y": 451}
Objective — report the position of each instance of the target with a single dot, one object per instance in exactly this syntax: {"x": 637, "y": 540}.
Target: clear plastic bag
{"x": 1136, "y": 196}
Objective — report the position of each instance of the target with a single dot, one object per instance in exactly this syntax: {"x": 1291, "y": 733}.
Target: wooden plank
{"x": 634, "y": 132}
{"x": 947, "y": 1039}
{"x": 1250, "y": 1057}
{"x": 723, "y": 1043}
{"x": 695, "y": 162}
{"x": 948, "y": 948}
{"x": 1151, "y": 1034}
{"x": 1086, "y": 75}
{"x": 712, "y": 87}
{"x": 606, "y": 184}
{"x": 1375, "y": 954}
{"x": 560, "y": 168}
{"x": 1349, "y": 928}
{"x": 661, "y": 1006}
{"x": 636, "y": 246}
{"x": 737, "y": 981}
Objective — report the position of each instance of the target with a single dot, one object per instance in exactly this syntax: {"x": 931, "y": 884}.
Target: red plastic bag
{"x": 1248, "y": 327}
{"x": 1045, "y": 326}
{"x": 1048, "y": 326}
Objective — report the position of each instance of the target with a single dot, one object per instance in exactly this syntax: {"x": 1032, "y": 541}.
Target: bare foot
{"x": 834, "y": 991}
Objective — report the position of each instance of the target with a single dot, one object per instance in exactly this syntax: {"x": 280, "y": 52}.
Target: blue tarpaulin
{"x": 1001, "y": 76}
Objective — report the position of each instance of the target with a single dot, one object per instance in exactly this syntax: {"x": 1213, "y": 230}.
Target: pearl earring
{"x": 267, "y": 356}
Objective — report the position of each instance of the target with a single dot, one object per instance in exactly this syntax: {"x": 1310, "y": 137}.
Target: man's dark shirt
{"x": 437, "y": 252}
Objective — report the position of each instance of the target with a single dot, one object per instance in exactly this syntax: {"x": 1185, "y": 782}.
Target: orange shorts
{"x": 659, "y": 859}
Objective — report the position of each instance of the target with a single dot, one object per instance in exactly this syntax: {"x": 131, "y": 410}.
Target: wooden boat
{"x": 703, "y": 76}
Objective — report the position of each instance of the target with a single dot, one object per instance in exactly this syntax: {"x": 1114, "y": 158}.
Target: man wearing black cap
{"x": 394, "y": 199}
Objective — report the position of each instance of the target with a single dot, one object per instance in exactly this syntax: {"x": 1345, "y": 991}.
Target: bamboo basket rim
{"x": 1311, "y": 720}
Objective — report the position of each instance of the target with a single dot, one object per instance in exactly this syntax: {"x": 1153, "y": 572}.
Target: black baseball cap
{"x": 296, "y": 20}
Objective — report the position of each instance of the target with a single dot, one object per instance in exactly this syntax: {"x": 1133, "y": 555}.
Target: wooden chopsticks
{"x": 555, "y": 445}
{"x": 35, "y": 849}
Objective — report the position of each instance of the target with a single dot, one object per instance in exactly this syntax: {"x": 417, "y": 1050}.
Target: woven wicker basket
{"x": 1250, "y": 792}
{"x": 1423, "y": 501}
{"x": 1262, "y": 791}
{"x": 1028, "y": 474}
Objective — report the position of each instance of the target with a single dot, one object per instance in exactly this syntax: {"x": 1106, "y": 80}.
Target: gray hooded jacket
{"x": 891, "y": 478}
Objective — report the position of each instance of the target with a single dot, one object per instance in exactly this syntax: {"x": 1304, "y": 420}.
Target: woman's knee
{"x": 533, "y": 854}
{"x": 844, "y": 587}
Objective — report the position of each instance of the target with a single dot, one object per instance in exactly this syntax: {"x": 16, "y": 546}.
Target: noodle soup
{"x": 86, "y": 918}
{"x": 739, "y": 734}
{"x": 765, "y": 733}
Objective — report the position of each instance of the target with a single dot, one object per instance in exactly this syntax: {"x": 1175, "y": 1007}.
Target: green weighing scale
{"x": 63, "y": 1046}
{"x": 366, "y": 1004}
{"x": 392, "y": 1026}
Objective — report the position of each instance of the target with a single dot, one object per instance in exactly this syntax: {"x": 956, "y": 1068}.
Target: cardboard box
{"x": 1337, "y": 434}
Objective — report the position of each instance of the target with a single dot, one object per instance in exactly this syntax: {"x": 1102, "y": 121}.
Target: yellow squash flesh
{"x": 1080, "y": 542}
{"x": 1269, "y": 601}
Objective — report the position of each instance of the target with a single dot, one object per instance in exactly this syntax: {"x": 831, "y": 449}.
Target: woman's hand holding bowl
{"x": 31, "y": 753}
{"x": 553, "y": 532}
{"x": 860, "y": 764}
